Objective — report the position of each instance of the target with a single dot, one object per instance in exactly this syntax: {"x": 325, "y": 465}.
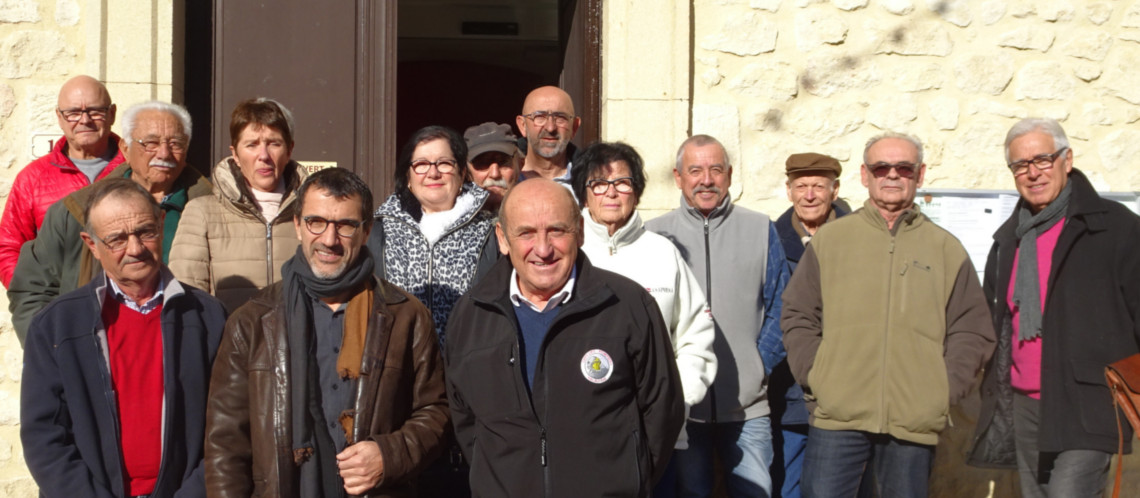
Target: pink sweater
{"x": 1025, "y": 374}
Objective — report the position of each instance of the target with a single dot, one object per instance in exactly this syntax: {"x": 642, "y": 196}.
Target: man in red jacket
{"x": 86, "y": 152}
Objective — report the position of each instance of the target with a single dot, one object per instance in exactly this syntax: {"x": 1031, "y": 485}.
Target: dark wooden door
{"x": 333, "y": 67}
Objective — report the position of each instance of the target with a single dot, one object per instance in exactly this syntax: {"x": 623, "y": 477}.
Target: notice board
{"x": 974, "y": 215}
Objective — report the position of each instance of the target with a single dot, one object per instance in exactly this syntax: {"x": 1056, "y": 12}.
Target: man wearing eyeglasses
{"x": 156, "y": 136}
{"x": 87, "y": 151}
{"x": 115, "y": 373}
{"x": 1063, "y": 282}
{"x": 886, "y": 327}
{"x": 328, "y": 382}
{"x": 548, "y": 123}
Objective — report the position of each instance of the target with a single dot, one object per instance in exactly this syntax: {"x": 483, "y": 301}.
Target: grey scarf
{"x": 1027, "y": 288}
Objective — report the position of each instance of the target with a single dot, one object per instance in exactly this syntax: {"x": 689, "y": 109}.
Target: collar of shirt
{"x": 146, "y": 307}
{"x": 562, "y": 296}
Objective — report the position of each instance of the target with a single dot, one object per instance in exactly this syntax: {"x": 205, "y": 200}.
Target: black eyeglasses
{"x": 444, "y": 166}
{"x": 599, "y": 186}
{"x": 1041, "y": 161}
{"x": 317, "y": 225}
{"x": 94, "y": 113}
{"x": 904, "y": 169}
{"x": 540, "y": 118}
{"x": 118, "y": 242}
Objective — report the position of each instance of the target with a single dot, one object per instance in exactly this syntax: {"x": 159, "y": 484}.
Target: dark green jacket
{"x": 57, "y": 262}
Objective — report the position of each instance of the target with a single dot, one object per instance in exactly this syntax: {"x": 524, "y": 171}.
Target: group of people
{"x": 506, "y": 324}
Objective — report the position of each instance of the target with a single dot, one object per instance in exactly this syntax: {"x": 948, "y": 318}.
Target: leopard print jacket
{"x": 437, "y": 275}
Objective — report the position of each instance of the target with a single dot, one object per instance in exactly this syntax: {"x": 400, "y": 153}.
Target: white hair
{"x": 891, "y": 134}
{"x": 1044, "y": 125}
{"x": 132, "y": 114}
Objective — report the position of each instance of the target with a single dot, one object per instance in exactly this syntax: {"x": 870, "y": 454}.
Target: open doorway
{"x": 363, "y": 76}
{"x": 465, "y": 62}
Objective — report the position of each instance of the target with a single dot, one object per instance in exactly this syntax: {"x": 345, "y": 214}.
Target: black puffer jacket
{"x": 1091, "y": 318}
{"x": 571, "y": 435}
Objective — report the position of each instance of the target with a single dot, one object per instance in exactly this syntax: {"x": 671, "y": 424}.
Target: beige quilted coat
{"x": 225, "y": 246}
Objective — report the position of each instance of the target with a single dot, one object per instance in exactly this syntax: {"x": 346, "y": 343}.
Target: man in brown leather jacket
{"x": 364, "y": 411}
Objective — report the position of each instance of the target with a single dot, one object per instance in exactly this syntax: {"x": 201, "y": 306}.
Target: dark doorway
{"x": 359, "y": 80}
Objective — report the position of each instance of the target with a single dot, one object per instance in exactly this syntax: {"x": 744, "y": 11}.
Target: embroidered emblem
{"x": 597, "y": 366}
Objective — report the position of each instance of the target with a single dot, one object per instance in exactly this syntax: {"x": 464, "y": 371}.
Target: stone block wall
{"x": 775, "y": 77}
{"x": 127, "y": 44}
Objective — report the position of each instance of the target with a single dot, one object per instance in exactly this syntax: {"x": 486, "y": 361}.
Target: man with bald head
{"x": 563, "y": 372}
{"x": 548, "y": 123}
{"x": 86, "y": 152}
{"x": 156, "y": 137}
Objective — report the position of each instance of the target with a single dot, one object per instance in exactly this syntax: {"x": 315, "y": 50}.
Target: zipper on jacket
{"x": 709, "y": 302}
{"x": 886, "y": 335}
{"x": 269, "y": 252}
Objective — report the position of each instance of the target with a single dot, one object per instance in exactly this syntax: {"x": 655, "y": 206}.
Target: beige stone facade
{"x": 774, "y": 77}
{"x": 42, "y": 44}
{"x": 768, "y": 77}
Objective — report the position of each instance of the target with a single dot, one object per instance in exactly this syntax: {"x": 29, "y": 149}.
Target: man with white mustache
{"x": 156, "y": 136}
{"x": 738, "y": 259}
{"x": 493, "y": 159}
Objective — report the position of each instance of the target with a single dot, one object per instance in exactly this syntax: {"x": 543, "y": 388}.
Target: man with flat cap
{"x": 493, "y": 159}
{"x": 813, "y": 189}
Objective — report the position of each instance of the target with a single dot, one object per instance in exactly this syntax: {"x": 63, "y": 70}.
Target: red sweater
{"x": 135, "y": 343}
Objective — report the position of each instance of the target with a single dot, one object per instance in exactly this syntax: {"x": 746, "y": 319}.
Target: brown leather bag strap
{"x": 1120, "y": 446}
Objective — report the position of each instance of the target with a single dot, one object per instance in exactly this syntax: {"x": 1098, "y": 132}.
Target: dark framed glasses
{"x": 599, "y": 186}
{"x": 317, "y": 225}
{"x": 904, "y": 169}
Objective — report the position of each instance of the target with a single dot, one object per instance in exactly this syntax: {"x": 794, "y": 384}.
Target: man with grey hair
{"x": 738, "y": 259}
{"x": 113, "y": 400}
{"x": 156, "y": 136}
{"x": 886, "y": 327}
{"x": 87, "y": 151}
{"x": 1063, "y": 283}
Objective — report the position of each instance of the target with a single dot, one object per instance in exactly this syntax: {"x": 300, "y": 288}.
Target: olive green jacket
{"x": 885, "y": 328}
{"x": 57, "y": 261}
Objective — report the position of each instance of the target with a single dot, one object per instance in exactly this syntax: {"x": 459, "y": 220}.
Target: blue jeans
{"x": 836, "y": 460}
{"x": 745, "y": 450}
{"x": 790, "y": 444}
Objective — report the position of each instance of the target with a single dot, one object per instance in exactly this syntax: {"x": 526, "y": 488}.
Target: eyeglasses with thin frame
{"x": 904, "y": 169}
{"x": 317, "y": 226}
{"x": 118, "y": 242}
{"x": 1042, "y": 162}
{"x": 175, "y": 145}
{"x": 444, "y": 166}
{"x": 94, "y": 113}
{"x": 540, "y": 118}
{"x": 599, "y": 186}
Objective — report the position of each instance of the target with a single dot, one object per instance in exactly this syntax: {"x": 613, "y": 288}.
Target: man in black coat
{"x": 561, "y": 376}
{"x": 1063, "y": 282}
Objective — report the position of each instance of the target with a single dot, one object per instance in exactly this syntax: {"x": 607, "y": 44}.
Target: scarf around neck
{"x": 1027, "y": 287}
{"x": 301, "y": 288}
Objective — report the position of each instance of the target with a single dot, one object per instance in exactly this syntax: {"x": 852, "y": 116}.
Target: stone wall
{"x": 42, "y": 44}
{"x": 775, "y": 77}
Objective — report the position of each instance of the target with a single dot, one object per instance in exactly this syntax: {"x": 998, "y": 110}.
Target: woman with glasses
{"x": 433, "y": 239}
{"x": 608, "y": 179}
{"x": 233, "y": 243}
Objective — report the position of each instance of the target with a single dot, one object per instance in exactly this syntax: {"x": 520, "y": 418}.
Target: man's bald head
{"x": 548, "y": 98}
{"x": 539, "y": 190}
{"x": 548, "y": 122}
{"x": 85, "y": 114}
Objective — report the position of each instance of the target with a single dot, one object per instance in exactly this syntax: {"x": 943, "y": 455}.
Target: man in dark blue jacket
{"x": 813, "y": 189}
{"x": 116, "y": 373}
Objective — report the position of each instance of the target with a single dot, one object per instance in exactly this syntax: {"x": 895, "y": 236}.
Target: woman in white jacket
{"x": 608, "y": 179}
